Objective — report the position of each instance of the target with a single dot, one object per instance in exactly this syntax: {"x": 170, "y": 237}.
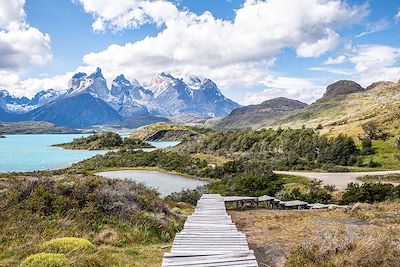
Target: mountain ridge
{"x": 254, "y": 116}
{"x": 166, "y": 96}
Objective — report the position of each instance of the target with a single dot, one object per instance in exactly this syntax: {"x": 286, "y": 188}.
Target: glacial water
{"x": 34, "y": 152}
{"x": 165, "y": 183}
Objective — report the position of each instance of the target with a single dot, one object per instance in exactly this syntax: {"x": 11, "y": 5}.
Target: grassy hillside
{"x": 347, "y": 113}
{"x": 254, "y": 116}
{"x": 167, "y": 132}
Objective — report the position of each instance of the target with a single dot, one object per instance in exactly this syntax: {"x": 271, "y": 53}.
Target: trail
{"x": 339, "y": 179}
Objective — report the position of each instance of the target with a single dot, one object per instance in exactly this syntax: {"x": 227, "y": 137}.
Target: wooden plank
{"x": 209, "y": 238}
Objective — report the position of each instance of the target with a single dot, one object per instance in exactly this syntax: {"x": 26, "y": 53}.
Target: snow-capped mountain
{"x": 44, "y": 97}
{"x": 94, "y": 84}
{"x": 130, "y": 98}
{"x": 207, "y": 98}
{"x": 172, "y": 94}
{"x": 14, "y": 104}
{"x": 192, "y": 94}
{"x": 166, "y": 96}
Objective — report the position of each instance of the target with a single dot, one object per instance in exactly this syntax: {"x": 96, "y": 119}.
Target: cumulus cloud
{"x": 397, "y": 17}
{"x": 376, "y": 62}
{"x": 29, "y": 87}
{"x": 234, "y": 53}
{"x": 370, "y": 63}
{"x": 21, "y": 46}
{"x": 319, "y": 47}
{"x": 301, "y": 89}
{"x": 333, "y": 61}
{"x": 12, "y": 13}
{"x": 129, "y": 14}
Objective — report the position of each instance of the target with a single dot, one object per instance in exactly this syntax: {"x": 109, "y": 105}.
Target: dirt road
{"x": 339, "y": 179}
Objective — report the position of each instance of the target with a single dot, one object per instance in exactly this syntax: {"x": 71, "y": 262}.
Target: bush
{"x": 315, "y": 194}
{"x": 369, "y": 193}
{"x": 68, "y": 244}
{"x": 46, "y": 260}
{"x": 91, "y": 201}
{"x": 366, "y": 146}
{"x": 372, "y": 131}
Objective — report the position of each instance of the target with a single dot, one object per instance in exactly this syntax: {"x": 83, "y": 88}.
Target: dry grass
{"x": 367, "y": 235}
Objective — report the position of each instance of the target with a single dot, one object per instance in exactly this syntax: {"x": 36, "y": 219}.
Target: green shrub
{"x": 46, "y": 260}
{"x": 369, "y": 193}
{"x": 315, "y": 194}
{"x": 68, "y": 244}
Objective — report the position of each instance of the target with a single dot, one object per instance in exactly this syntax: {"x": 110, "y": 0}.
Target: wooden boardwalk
{"x": 209, "y": 238}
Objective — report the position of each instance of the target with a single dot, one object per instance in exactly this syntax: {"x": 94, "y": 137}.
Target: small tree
{"x": 373, "y": 132}
{"x": 366, "y": 146}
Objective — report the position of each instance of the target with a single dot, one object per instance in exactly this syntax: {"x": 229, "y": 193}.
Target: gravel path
{"x": 339, "y": 179}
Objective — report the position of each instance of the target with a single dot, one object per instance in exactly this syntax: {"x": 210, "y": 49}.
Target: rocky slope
{"x": 341, "y": 88}
{"x": 255, "y": 116}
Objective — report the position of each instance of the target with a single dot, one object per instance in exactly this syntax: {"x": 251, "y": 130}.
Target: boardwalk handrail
{"x": 209, "y": 238}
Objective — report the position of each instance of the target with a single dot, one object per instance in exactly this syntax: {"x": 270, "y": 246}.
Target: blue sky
{"x": 253, "y": 49}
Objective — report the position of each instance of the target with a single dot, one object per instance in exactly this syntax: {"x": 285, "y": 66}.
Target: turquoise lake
{"x": 165, "y": 183}
{"x": 34, "y": 152}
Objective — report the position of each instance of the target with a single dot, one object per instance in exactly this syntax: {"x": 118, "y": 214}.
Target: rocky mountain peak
{"x": 342, "y": 87}
{"x": 76, "y": 80}
{"x": 96, "y": 74}
{"x": 197, "y": 82}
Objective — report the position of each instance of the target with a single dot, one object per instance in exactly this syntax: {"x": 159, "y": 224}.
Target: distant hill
{"x": 255, "y": 116}
{"x": 33, "y": 127}
{"x": 343, "y": 87}
{"x": 167, "y": 132}
{"x": 346, "y": 113}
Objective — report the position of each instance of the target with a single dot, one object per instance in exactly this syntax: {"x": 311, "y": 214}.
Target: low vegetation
{"x": 168, "y": 132}
{"x": 117, "y": 222}
{"x": 389, "y": 178}
{"x": 46, "y": 260}
{"x": 105, "y": 141}
{"x": 370, "y": 193}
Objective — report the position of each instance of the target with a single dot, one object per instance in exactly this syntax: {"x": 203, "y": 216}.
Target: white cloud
{"x": 127, "y": 13}
{"x": 233, "y": 53}
{"x": 334, "y": 61}
{"x": 378, "y": 26}
{"x": 339, "y": 71}
{"x": 320, "y": 47}
{"x": 371, "y": 63}
{"x": 294, "y": 88}
{"x": 397, "y": 17}
{"x": 12, "y": 13}
{"x": 21, "y": 46}
{"x": 205, "y": 45}
{"x": 375, "y": 62}
{"x": 29, "y": 87}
